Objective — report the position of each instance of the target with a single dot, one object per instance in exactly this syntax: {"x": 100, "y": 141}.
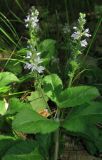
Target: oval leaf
{"x": 29, "y": 121}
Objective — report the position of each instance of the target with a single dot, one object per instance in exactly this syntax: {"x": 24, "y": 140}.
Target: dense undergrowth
{"x": 50, "y": 78}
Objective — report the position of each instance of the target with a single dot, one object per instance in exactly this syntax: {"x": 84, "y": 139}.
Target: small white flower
{"x": 27, "y": 19}
{"x": 37, "y": 60}
{"x": 26, "y": 25}
{"x": 28, "y": 66}
{"x": 32, "y": 19}
{"x": 36, "y": 12}
{"x": 86, "y": 33}
{"x": 29, "y": 54}
{"x": 35, "y": 65}
{"x": 40, "y": 69}
{"x": 38, "y": 54}
{"x": 75, "y": 28}
{"x": 84, "y": 43}
{"x": 76, "y": 35}
{"x": 37, "y": 68}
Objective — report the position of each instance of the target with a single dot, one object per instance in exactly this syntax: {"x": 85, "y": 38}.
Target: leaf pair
{"x": 70, "y": 97}
{"x": 29, "y": 121}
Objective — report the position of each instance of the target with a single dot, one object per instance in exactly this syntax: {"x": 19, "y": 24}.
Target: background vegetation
{"x": 56, "y": 19}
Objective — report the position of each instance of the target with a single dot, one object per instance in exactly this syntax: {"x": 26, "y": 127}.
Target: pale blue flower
{"x": 84, "y": 43}
{"x": 32, "y": 19}
{"x": 76, "y": 35}
{"x": 39, "y": 69}
{"x": 34, "y": 64}
{"x": 28, "y": 65}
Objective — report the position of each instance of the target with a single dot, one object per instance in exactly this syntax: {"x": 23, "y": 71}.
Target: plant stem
{"x": 56, "y": 145}
{"x": 71, "y": 78}
{"x": 57, "y": 139}
{"x": 70, "y": 81}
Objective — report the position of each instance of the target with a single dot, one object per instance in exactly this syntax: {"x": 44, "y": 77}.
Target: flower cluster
{"x": 32, "y": 19}
{"x": 80, "y": 32}
{"x": 33, "y": 57}
{"x": 34, "y": 62}
{"x": 79, "y": 42}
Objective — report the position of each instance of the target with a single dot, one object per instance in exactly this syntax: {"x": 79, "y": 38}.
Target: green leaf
{"x": 5, "y": 143}
{"x": 7, "y": 78}
{"x": 74, "y": 96}
{"x": 3, "y": 107}
{"x": 4, "y": 89}
{"x": 38, "y": 100}
{"x": 48, "y": 49}
{"x": 82, "y": 120}
{"x": 15, "y": 106}
{"x": 45, "y": 142}
{"x": 90, "y": 147}
{"x": 29, "y": 121}
{"x": 14, "y": 67}
{"x": 25, "y": 150}
{"x": 52, "y": 86}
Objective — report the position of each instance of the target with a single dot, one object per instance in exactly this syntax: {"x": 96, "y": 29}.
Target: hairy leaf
{"x": 74, "y": 96}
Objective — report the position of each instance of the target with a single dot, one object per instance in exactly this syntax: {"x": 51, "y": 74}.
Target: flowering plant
{"x": 78, "y": 44}
{"x": 74, "y": 109}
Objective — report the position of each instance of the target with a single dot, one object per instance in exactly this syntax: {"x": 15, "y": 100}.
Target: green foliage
{"x": 27, "y": 110}
{"x": 83, "y": 121}
{"x": 14, "y": 67}
{"x": 45, "y": 142}
{"x": 2, "y": 107}
{"x": 38, "y": 100}
{"x": 15, "y": 106}
{"x": 48, "y": 49}
{"x": 23, "y": 151}
{"x": 52, "y": 86}
{"x": 70, "y": 97}
{"x": 74, "y": 96}
{"x": 4, "y": 89}
{"x": 6, "y": 78}
{"x": 5, "y": 143}
{"x": 29, "y": 121}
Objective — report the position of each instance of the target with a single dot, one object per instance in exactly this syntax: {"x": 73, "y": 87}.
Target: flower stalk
{"x": 79, "y": 43}
{"x": 33, "y": 57}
